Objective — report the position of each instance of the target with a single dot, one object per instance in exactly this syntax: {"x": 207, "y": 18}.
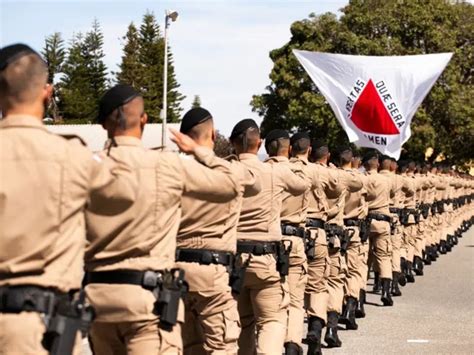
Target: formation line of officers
{"x": 153, "y": 252}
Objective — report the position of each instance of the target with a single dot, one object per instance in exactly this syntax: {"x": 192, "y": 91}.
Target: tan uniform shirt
{"x": 294, "y": 208}
{"x": 260, "y": 214}
{"x": 355, "y": 206}
{"x": 144, "y": 236}
{"x": 206, "y": 225}
{"x": 351, "y": 183}
{"x": 410, "y": 199}
{"x": 379, "y": 189}
{"x": 45, "y": 184}
{"x": 329, "y": 185}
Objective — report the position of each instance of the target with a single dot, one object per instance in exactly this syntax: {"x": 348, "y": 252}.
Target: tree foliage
{"x": 222, "y": 146}
{"x": 196, "y": 102}
{"x": 369, "y": 27}
{"x": 85, "y": 76}
{"x": 142, "y": 67}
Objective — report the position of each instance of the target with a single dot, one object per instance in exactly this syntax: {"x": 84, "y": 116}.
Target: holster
{"x": 425, "y": 210}
{"x": 237, "y": 275}
{"x": 173, "y": 288}
{"x": 63, "y": 325}
{"x": 345, "y": 239}
{"x": 310, "y": 246}
{"x": 404, "y": 216}
{"x": 283, "y": 257}
{"x": 364, "y": 230}
{"x": 333, "y": 232}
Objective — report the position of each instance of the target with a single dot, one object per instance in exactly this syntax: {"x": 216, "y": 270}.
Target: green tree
{"x": 85, "y": 76}
{"x": 371, "y": 27}
{"x": 130, "y": 67}
{"x": 142, "y": 67}
{"x": 222, "y": 146}
{"x": 54, "y": 54}
{"x": 196, "y": 102}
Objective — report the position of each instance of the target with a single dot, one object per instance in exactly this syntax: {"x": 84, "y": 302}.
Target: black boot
{"x": 402, "y": 279}
{"x": 418, "y": 266}
{"x": 434, "y": 252}
{"x": 377, "y": 284}
{"x": 455, "y": 238}
{"x": 360, "y": 311}
{"x": 409, "y": 274}
{"x": 395, "y": 290}
{"x": 427, "y": 256}
{"x": 348, "y": 315}
{"x": 442, "y": 247}
{"x": 386, "y": 297}
{"x": 448, "y": 243}
{"x": 293, "y": 349}
{"x": 331, "y": 338}
{"x": 313, "y": 338}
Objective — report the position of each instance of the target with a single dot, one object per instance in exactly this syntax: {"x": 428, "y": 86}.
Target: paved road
{"x": 435, "y": 315}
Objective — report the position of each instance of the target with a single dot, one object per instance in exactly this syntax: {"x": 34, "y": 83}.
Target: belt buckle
{"x": 151, "y": 279}
{"x": 207, "y": 257}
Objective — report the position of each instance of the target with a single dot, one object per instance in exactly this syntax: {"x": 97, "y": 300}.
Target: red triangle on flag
{"x": 369, "y": 113}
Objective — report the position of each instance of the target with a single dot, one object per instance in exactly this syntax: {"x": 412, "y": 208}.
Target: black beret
{"x": 369, "y": 156}
{"x": 243, "y": 126}
{"x": 319, "y": 143}
{"x": 275, "y": 134}
{"x": 194, "y": 117}
{"x": 384, "y": 157}
{"x": 13, "y": 52}
{"x": 118, "y": 96}
{"x": 299, "y": 135}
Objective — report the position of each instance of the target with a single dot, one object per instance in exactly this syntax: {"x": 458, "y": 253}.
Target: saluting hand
{"x": 184, "y": 142}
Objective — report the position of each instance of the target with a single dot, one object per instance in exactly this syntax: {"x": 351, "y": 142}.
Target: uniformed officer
{"x": 379, "y": 189}
{"x": 206, "y": 246}
{"x": 293, "y": 221}
{"x": 47, "y": 180}
{"x": 130, "y": 275}
{"x": 264, "y": 298}
{"x": 355, "y": 212}
{"x": 319, "y": 264}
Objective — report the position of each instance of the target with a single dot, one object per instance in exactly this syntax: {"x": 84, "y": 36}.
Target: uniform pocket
{"x": 232, "y": 325}
{"x": 285, "y": 289}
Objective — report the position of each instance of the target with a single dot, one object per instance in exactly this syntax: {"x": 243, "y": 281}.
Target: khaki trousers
{"x": 396, "y": 239}
{"x": 134, "y": 338}
{"x": 353, "y": 278}
{"x": 316, "y": 292}
{"x": 420, "y": 240}
{"x": 263, "y": 307}
{"x": 381, "y": 247}
{"x": 297, "y": 280}
{"x": 22, "y": 333}
{"x": 409, "y": 242}
{"x": 364, "y": 268}
{"x": 336, "y": 280}
{"x": 212, "y": 324}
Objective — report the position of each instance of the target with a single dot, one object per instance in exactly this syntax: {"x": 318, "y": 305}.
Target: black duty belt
{"x": 16, "y": 299}
{"x": 147, "y": 279}
{"x": 380, "y": 217}
{"x": 352, "y": 222}
{"x": 315, "y": 223}
{"x": 257, "y": 248}
{"x": 288, "y": 229}
{"x": 395, "y": 210}
{"x": 204, "y": 256}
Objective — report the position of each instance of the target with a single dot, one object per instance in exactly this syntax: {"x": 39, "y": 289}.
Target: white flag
{"x": 374, "y": 98}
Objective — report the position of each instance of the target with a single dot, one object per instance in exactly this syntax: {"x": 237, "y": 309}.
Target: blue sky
{"x": 220, "y": 48}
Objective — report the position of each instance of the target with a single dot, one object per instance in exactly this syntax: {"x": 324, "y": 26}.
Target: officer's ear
{"x": 143, "y": 119}
{"x": 214, "y": 135}
{"x": 259, "y": 143}
{"x": 47, "y": 94}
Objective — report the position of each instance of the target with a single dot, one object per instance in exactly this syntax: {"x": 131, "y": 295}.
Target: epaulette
{"x": 231, "y": 157}
{"x": 70, "y": 137}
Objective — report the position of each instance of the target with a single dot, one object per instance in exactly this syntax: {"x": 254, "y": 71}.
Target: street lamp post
{"x": 169, "y": 15}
